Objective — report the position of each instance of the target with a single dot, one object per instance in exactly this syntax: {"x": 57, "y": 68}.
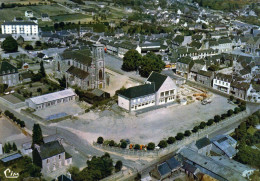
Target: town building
{"x": 51, "y": 99}
{"x": 51, "y": 156}
{"x": 157, "y": 89}
{"x": 222, "y": 82}
{"x": 45, "y": 17}
{"x": 8, "y": 74}
{"x": 253, "y": 93}
{"x": 202, "y": 146}
{"x": 205, "y": 77}
{"x": 224, "y": 145}
{"x": 28, "y": 30}
{"x": 183, "y": 66}
{"x": 28, "y": 14}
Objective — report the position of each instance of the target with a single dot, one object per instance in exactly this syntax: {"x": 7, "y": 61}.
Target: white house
{"x": 222, "y": 82}
{"x": 28, "y": 14}
{"x": 47, "y": 100}
{"x": 28, "y": 30}
{"x": 158, "y": 89}
{"x": 253, "y": 93}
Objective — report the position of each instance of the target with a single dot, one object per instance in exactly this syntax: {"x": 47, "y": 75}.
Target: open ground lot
{"x": 10, "y": 133}
{"x": 11, "y": 98}
{"x": 146, "y": 127}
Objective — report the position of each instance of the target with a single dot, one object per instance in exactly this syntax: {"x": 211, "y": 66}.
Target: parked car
{"x": 206, "y": 101}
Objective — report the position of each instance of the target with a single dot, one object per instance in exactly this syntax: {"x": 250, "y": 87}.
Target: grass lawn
{"x": 69, "y": 17}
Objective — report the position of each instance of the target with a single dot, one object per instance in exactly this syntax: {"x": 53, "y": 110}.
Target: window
{"x": 47, "y": 160}
{"x": 172, "y": 92}
{"x": 59, "y": 156}
{"x": 162, "y": 94}
{"x": 167, "y": 93}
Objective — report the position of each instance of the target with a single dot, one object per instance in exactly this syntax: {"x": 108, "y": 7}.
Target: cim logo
{"x": 10, "y": 174}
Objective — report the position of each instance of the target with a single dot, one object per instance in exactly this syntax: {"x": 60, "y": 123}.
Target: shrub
{"x": 111, "y": 143}
{"x": 231, "y": 98}
{"x": 237, "y": 110}
{"x": 118, "y": 166}
{"x": 150, "y": 146}
{"x": 171, "y": 140}
{"x": 137, "y": 147}
{"x": 210, "y": 122}
{"x": 223, "y": 116}
{"x": 243, "y": 107}
{"x": 202, "y": 125}
{"x": 100, "y": 140}
{"x": 123, "y": 144}
{"x": 179, "y": 136}
{"x": 22, "y": 124}
{"x": 217, "y": 118}
{"x": 162, "y": 144}
{"x": 230, "y": 112}
{"x": 195, "y": 129}
{"x": 187, "y": 133}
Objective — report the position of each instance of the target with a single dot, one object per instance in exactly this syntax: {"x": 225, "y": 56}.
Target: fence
{"x": 178, "y": 144}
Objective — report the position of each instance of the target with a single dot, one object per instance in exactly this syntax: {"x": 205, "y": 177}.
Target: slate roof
{"x": 97, "y": 92}
{"x": 201, "y": 143}
{"x": 196, "y": 67}
{"x": 138, "y": 91}
{"x": 225, "y": 143}
{"x": 81, "y": 56}
{"x": 164, "y": 169}
{"x": 190, "y": 168}
{"x": 185, "y": 60}
{"x": 50, "y": 149}
{"x": 5, "y": 67}
{"x": 223, "y": 77}
{"x": 19, "y": 23}
{"x": 205, "y": 73}
{"x": 157, "y": 78}
{"x": 81, "y": 74}
{"x": 11, "y": 157}
{"x": 63, "y": 178}
{"x": 173, "y": 163}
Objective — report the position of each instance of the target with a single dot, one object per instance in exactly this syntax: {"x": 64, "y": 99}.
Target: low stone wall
{"x": 178, "y": 144}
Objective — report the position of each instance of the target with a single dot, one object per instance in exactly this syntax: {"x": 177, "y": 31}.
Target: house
{"x": 8, "y": 74}
{"x": 51, "y": 156}
{"x": 45, "y": 17}
{"x": 222, "y": 82}
{"x": 190, "y": 170}
{"x": 183, "y": 66}
{"x": 28, "y": 30}
{"x": 209, "y": 166}
{"x": 239, "y": 89}
{"x": 224, "y": 145}
{"x": 205, "y": 77}
{"x": 202, "y": 146}
{"x": 158, "y": 89}
{"x": 51, "y": 99}
{"x": 198, "y": 65}
{"x": 253, "y": 46}
{"x": 26, "y": 76}
{"x": 83, "y": 68}
{"x": 150, "y": 47}
{"x": 166, "y": 169}
{"x": 253, "y": 93}
{"x": 28, "y": 14}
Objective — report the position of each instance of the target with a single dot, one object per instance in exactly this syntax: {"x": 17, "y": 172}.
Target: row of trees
{"x": 15, "y": 119}
{"x": 97, "y": 169}
{"x": 8, "y": 147}
{"x": 133, "y": 61}
{"x": 181, "y": 136}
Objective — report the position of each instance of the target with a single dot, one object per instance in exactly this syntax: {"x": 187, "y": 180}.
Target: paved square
{"x": 151, "y": 126}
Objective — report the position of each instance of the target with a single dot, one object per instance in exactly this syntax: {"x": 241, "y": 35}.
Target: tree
{"x": 100, "y": 140}
{"x": 242, "y": 108}
{"x": 39, "y": 90}
{"x": 202, "y": 125}
{"x": 137, "y": 147}
{"x": 179, "y": 136}
{"x": 3, "y": 87}
{"x": 10, "y": 45}
{"x": 28, "y": 47}
{"x": 253, "y": 120}
{"x": 62, "y": 82}
{"x": 151, "y": 62}
{"x": 42, "y": 69}
{"x": 231, "y": 98}
{"x": 204, "y": 26}
{"x": 217, "y": 118}
{"x": 37, "y": 137}
{"x": 14, "y": 148}
{"x": 38, "y": 43}
{"x": 230, "y": 112}
{"x": 195, "y": 129}
{"x": 187, "y": 133}
{"x": 171, "y": 140}
{"x": 111, "y": 143}
{"x": 150, "y": 146}
{"x": 237, "y": 110}
{"x": 210, "y": 122}
{"x": 131, "y": 60}
{"x": 123, "y": 144}
{"x": 118, "y": 165}
{"x": 162, "y": 144}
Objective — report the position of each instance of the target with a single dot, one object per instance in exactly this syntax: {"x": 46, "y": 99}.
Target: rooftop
{"x": 138, "y": 91}
{"x": 50, "y": 149}
{"x": 157, "y": 78}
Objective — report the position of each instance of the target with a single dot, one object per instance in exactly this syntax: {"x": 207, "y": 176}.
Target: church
{"x": 82, "y": 68}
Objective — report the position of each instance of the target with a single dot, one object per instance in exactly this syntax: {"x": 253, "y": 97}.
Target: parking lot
{"x": 147, "y": 127}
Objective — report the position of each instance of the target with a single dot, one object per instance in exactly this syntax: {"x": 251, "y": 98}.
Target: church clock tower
{"x": 99, "y": 62}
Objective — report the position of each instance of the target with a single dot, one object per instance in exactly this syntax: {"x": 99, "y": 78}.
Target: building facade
{"x": 28, "y": 30}
{"x": 222, "y": 82}
{"x": 8, "y": 74}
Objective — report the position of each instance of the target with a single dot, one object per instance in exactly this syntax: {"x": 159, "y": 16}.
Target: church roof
{"x": 81, "y": 56}
{"x": 81, "y": 74}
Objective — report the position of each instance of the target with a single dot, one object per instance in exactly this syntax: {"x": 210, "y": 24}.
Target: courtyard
{"x": 145, "y": 127}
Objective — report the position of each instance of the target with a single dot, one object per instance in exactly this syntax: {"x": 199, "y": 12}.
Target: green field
{"x": 69, "y": 17}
